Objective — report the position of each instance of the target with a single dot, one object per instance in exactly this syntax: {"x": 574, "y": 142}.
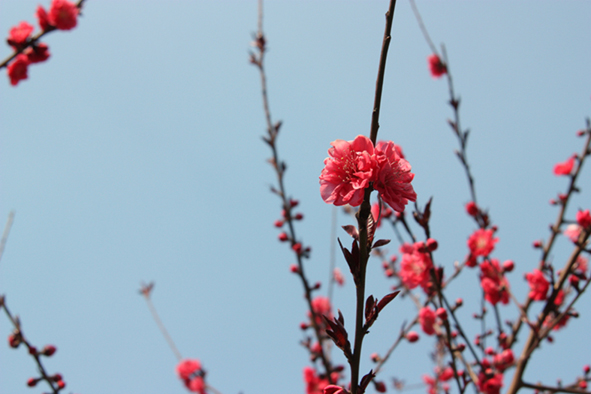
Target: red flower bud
{"x": 293, "y": 203}
{"x": 61, "y": 384}
{"x": 298, "y": 216}
{"x": 431, "y": 244}
{"x": 508, "y": 266}
{"x": 412, "y": 336}
{"x": 32, "y": 350}
{"x": 278, "y": 223}
{"x": 48, "y": 350}
{"x": 459, "y": 302}
{"x": 586, "y": 369}
{"x": 472, "y": 208}
{"x": 537, "y": 244}
{"x": 297, "y": 247}
{"x": 32, "y": 382}
{"x": 583, "y": 384}
{"x": 441, "y": 313}
{"x": 294, "y": 268}
{"x": 283, "y": 237}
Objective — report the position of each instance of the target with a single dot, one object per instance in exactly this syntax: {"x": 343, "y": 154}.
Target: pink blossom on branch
{"x": 190, "y": 372}
{"x": 394, "y": 177}
{"x": 538, "y": 284}
{"x": 493, "y": 282}
{"x": 564, "y": 168}
{"x": 427, "y": 320}
{"x": 19, "y": 34}
{"x": 348, "y": 171}
{"x": 18, "y": 69}
{"x": 436, "y": 66}
{"x": 584, "y": 218}
{"x": 415, "y": 266}
{"x": 63, "y": 14}
{"x": 481, "y": 242}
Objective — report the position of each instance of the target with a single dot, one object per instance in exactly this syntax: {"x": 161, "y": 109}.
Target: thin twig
{"x": 6, "y": 232}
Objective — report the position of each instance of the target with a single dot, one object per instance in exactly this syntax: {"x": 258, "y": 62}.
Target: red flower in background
{"x": 190, "y": 372}
{"x": 538, "y": 284}
{"x": 17, "y": 69}
{"x": 565, "y": 167}
{"x": 414, "y": 266}
{"x": 19, "y": 34}
{"x": 493, "y": 282}
{"x": 436, "y": 66}
{"x": 37, "y": 53}
{"x": 42, "y": 18}
{"x": 481, "y": 242}
{"x": 427, "y": 320}
{"x": 63, "y": 14}
{"x": 584, "y": 218}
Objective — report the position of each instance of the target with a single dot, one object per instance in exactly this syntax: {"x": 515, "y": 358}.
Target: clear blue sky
{"x": 134, "y": 154}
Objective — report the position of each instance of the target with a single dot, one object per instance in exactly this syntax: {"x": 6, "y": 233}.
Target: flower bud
{"x": 48, "y": 350}
{"x": 441, "y": 313}
{"x": 508, "y": 266}
{"x": 32, "y": 382}
{"x": 412, "y": 336}
{"x": 283, "y": 237}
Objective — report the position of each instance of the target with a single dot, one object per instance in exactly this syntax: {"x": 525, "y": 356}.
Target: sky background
{"x": 134, "y": 154}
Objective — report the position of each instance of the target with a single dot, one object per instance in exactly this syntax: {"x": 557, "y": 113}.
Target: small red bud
{"x": 293, "y": 203}
{"x": 32, "y": 350}
{"x": 393, "y": 259}
{"x": 586, "y": 369}
{"x": 380, "y": 386}
{"x": 508, "y": 266}
{"x": 432, "y": 244}
{"x": 441, "y": 313}
{"x": 580, "y": 133}
{"x": 48, "y": 350}
{"x": 32, "y": 382}
{"x": 317, "y": 286}
{"x": 56, "y": 377}
{"x": 14, "y": 340}
{"x": 472, "y": 208}
{"x": 298, "y": 216}
{"x": 490, "y": 351}
{"x": 459, "y": 302}
{"x": 412, "y": 336}
{"x": 283, "y": 237}
{"x": 375, "y": 357}
{"x": 537, "y": 244}
{"x": 297, "y": 247}
{"x": 461, "y": 347}
{"x": 562, "y": 197}
{"x": 61, "y": 384}
{"x": 389, "y": 273}
{"x": 304, "y": 326}
{"x": 454, "y": 334}
{"x": 278, "y": 223}
{"x": 583, "y": 384}
{"x": 550, "y": 339}
{"x": 293, "y": 268}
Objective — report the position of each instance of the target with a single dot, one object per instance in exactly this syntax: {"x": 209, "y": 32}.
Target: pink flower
{"x": 348, "y": 171}
{"x": 572, "y": 232}
{"x": 584, "y": 218}
{"x": 394, "y": 177}
{"x": 187, "y": 367}
{"x": 436, "y": 66}
{"x": 565, "y": 167}
{"x": 17, "y": 69}
{"x": 63, "y": 14}
{"x": 332, "y": 389}
{"x": 481, "y": 242}
{"x": 538, "y": 284}
{"x": 190, "y": 372}
{"x": 414, "y": 266}
{"x": 316, "y": 384}
{"x": 493, "y": 282}
{"x": 503, "y": 360}
{"x": 338, "y": 276}
{"x": 427, "y": 320}
{"x": 19, "y": 34}
{"x": 37, "y": 53}
{"x": 42, "y": 18}
{"x": 490, "y": 385}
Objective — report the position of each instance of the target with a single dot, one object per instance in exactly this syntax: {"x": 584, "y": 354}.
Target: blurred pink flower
{"x": 538, "y": 284}
{"x": 565, "y": 167}
{"x": 481, "y": 242}
{"x": 63, "y": 14}
{"x": 436, "y": 66}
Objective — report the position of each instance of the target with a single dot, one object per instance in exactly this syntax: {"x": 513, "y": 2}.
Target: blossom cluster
{"x": 192, "y": 375}
{"x": 353, "y": 166}
{"x": 62, "y": 15}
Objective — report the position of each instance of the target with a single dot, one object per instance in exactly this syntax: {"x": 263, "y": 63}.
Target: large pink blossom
{"x": 584, "y": 218}
{"x": 348, "y": 171}
{"x": 394, "y": 177}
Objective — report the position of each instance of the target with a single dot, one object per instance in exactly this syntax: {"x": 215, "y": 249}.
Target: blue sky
{"x": 135, "y": 154}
